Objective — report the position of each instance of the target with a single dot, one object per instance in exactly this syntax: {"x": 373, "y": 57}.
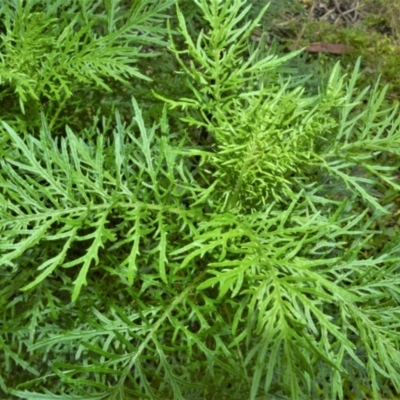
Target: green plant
{"x": 227, "y": 259}
{"x": 54, "y": 56}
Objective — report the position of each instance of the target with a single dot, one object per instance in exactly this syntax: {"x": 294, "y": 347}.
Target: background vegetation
{"x": 192, "y": 207}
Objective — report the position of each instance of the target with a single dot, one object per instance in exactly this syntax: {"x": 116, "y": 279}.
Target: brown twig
{"x": 300, "y": 35}
{"x": 337, "y": 6}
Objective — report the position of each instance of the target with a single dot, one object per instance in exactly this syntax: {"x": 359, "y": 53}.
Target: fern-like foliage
{"x": 90, "y": 213}
{"x": 277, "y": 131}
{"x": 50, "y": 54}
{"x": 156, "y": 263}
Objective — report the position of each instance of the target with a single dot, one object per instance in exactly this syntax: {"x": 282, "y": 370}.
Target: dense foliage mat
{"x": 208, "y": 236}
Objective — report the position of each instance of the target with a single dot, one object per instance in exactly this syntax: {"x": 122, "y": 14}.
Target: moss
{"x": 375, "y": 38}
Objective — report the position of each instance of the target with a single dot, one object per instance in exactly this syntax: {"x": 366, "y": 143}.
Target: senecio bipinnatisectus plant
{"x": 235, "y": 266}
